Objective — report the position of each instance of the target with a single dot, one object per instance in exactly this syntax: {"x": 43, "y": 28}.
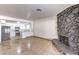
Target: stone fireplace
{"x": 68, "y": 27}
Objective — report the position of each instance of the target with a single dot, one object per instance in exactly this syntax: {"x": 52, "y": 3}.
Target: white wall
{"x": 46, "y": 28}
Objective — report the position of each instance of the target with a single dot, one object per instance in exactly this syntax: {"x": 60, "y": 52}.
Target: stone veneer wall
{"x": 68, "y": 25}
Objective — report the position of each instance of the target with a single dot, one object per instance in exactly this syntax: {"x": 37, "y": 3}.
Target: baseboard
{"x": 40, "y": 37}
{"x": 44, "y": 38}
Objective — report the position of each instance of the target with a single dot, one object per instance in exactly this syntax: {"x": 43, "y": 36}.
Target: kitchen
{"x": 12, "y": 28}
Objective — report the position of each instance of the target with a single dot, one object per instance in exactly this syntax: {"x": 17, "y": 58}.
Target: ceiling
{"x": 28, "y": 11}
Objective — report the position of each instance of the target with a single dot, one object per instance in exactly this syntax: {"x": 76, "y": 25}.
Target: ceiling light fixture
{"x": 38, "y": 10}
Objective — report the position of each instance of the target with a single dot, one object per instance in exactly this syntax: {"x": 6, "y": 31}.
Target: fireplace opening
{"x": 64, "y": 40}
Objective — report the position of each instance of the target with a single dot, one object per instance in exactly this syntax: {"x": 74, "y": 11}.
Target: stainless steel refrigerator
{"x": 5, "y": 33}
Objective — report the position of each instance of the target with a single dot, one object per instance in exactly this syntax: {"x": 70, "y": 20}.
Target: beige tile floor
{"x": 28, "y": 46}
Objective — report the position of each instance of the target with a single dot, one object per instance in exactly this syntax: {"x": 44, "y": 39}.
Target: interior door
{"x": 5, "y": 31}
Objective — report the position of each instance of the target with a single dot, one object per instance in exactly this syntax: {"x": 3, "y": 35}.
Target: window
{"x": 28, "y": 27}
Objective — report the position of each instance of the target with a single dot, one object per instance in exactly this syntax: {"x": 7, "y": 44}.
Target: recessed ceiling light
{"x": 38, "y": 10}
